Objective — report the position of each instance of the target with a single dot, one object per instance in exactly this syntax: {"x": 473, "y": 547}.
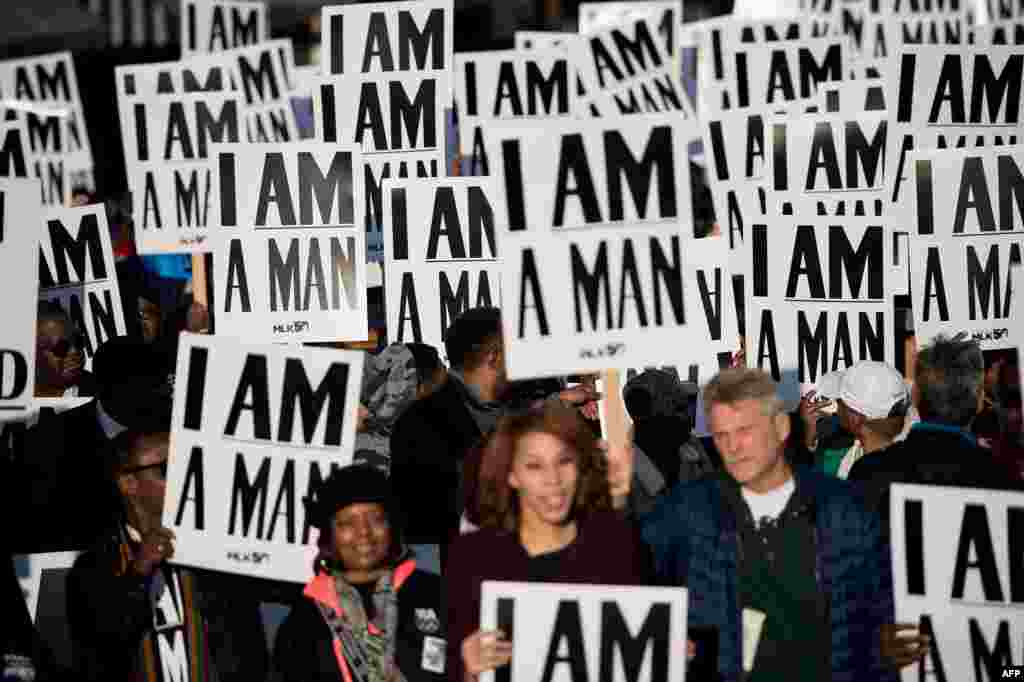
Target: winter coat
{"x": 694, "y": 536}
{"x": 305, "y": 650}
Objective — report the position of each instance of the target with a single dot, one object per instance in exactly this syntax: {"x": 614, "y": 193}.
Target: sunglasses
{"x": 158, "y": 465}
{"x": 65, "y": 346}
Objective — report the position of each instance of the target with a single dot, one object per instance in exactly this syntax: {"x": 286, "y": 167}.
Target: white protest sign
{"x": 15, "y": 159}
{"x": 819, "y": 298}
{"x": 166, "y": 140}
{"x": 20, "y": 214}
{"x": 768, "y": 65}
{"x": 956, "y": 574}
{"x": 600, "y": 209}
{"x": 626, "y": 69}
{"x": 509, "y": 85}
{"x": 737, "y": 164}
{"x": 770, "y": 9}
{"x": 964, "y": 212}
{"x": 289, "y": 254}
{"x": 263, "y": 75}
{"x": 440, "y": 257}
{"x": 76, "y": 271}
{"x": 611, "y": 632}
{"x": 217, "y": 25}
{"x": 255, "y": 429}
{"x": 839, "y": 161}
{"x": 852, "y": 97}
{"x": 387, "y": 80}
{"x": 667, "y": 15}
{"x": 951, "y": 97}
{"x": 44, "y": 90}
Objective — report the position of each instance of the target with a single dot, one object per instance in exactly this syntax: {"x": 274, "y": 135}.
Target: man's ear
{"x": 783, "y": 426}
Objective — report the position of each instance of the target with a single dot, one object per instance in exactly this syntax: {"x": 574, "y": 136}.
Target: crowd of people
{"x": 461, "y": 476}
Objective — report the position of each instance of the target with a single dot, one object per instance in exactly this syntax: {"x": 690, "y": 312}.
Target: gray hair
{"x": 949, "y": 378}
{"x": 741, "y": 383}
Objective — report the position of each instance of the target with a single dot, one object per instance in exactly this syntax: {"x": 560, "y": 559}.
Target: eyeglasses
{"x": 135, "y": 470}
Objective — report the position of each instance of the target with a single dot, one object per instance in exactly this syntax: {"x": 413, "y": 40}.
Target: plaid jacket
{"x": 694, "y": 538}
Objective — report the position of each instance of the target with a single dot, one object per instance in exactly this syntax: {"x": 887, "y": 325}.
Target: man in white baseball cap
{"x": 874, "y": 405}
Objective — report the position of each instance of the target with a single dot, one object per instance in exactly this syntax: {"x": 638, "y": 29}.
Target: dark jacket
{"x": 304, "y": 650}
{"x": 61, "y": 482}
{"x": 428, "y": 445}
{"x": 491, "y": 554}
{"x": 929, "y": 455}
{"x": 694, "y": 535}
{"x": 110, "y": 614}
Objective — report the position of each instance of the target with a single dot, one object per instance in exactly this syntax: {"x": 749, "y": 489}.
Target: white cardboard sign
{"x": 440, "y": 255}
{"x": 965, "y": 214}
{"x": 955, "y": 566}
{"x": 255, "y": 429}
{"x": 643, "y": 629}
{"x": 76, "y": 271}
{"x": 19, "y": 261}
{"x": 217, "y": 25}
{"x": 289, "y": 253}
{"x": 599, "y": 210}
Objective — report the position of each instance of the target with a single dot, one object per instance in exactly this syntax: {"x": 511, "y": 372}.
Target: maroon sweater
{"x": 607, "y": 551}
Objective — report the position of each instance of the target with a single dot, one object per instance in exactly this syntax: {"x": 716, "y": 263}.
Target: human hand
{"x": 198, "y": 319}
{"x": 157, "y": 546}
{"x": 483, "y": 651}
{"x": 810, "y": 411}
{"x": 903, "y": 644}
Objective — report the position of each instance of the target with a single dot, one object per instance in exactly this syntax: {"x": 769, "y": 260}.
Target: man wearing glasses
{"x": 134, "y": 616}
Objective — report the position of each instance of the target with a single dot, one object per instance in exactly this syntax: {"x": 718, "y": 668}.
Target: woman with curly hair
{"x": 547, "y": 514}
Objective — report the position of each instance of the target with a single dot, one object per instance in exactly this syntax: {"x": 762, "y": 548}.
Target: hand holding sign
{"x": 903, "y": 644}
{"x": 485, "y": 650}
{"x": 157, "y": 546}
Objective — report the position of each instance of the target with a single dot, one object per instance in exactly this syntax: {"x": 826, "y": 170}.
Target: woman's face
{"x": 362, "y": 536}
{"x": 544, "y": 474}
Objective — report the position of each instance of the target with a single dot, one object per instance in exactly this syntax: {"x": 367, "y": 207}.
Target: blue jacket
{"x": 693, "y": 534}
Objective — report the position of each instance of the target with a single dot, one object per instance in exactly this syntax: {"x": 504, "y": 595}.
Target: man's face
{"x": 58, "y": 362}
{"x": 752, "y": 444}
{"x": 143, "y": 480}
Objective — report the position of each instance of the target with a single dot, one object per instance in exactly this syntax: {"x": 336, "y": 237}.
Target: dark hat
{"x": 349, "y": 485}
{"x": 135, "y": 383}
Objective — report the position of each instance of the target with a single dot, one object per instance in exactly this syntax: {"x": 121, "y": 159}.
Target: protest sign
{"x": 768, "y": 64}
{"x": 736, "y": 167}
{"x": 760, "y": 9}
{"x": 666, "y": 15}
{"x": 836, "y": 160}
{"x": 770, "y": 76}
{"x": 259, "y": 427}
{"x": 386, "y": 84}
{"x": 44, "y": 90}
{"x": 216, "y": 25}
{"x": 950, "y": 97}
{"x": 263, "y": 75}
{"x": 14, "y": 427}
{"x": 15, "y": 160}
{"x": 440, "y": 257}
{"x": 956, "y": 574}
{"x": 852, "y": 97}
{"x": 509, "y": 85}
{"x": 166, "y": 140}
{"x": 625, "y": 68}
{"x": 76, "y": 271}
{"x": 819, "y": 298}
{"x": 289, "y": 253}
{"x": 587, "y": 631}
{"x": 37, "y": 574}
{"x": 600, "y": 209}
{"x": 964, "y": 208}
{"x": 19, "y": 261}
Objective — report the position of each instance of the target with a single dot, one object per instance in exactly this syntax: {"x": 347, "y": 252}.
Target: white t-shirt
{"x": 771, "y": 503}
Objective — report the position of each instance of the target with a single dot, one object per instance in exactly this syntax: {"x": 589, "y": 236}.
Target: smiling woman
{"x": 545, "y": 512}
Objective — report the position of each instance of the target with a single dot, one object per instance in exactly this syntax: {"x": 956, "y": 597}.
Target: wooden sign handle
{"x": 199, "y": 279}
{"x": 616, "y": 421}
